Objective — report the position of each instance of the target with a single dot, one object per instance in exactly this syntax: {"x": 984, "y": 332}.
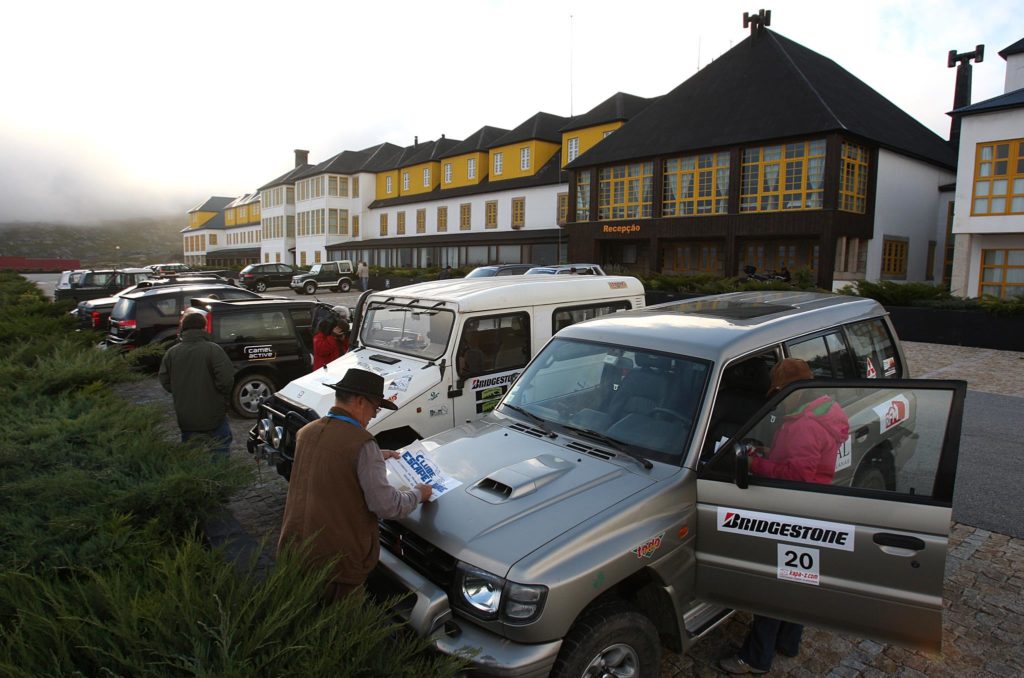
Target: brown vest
{"x": 325, "y": 501}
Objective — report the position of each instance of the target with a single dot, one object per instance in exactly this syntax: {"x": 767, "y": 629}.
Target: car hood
{"x": 404, "y": 380}
{"x": 518, "y": 491}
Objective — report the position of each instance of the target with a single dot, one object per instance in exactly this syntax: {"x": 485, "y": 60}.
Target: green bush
{"x": 709, "y": 283}
{"x": 891, "y": 293}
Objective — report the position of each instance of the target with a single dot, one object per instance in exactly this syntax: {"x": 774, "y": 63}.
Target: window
{"x": 518, "y": 212}
{"x": 332, "y": 185}
{"x": 302, "y": 259}
{"x": 583, "y": 196}
{"x": 290, "y": 195}
{"x": 873, "y": 350}
{"x": 563, "y": 208}
{"x": 343, "y": 187}
{"x": 894, "y": 258}
{"x": 999, "y": 178}
{"x": 316, "y": 257}
{"x": 400, "y": 228}
{"x": 252, "y": 326}
{"x": 471, "y": 168}
{"x": 625, "y": 191}
{"x": 1002, "y": 273}
{"x": 442, "y": 219}
{"x": 421, "y": 221}
{"x": 426, "y": 177}
{"x": 524, "y": 158}
{"x": 277, "y": 257}
{"x": 695, "y": 257}
{"x": 447, "y": 173}
{"x": 213, "y": 238}
{"x": 499, "y": 159}
{"x": 464, "y": 216}
{"x": 355, "y": 225}
{"x": 783, "y": 177}
{"x": 696, "y": 184}
{"x": 563, "y": 317}
{"x": 573, "y": 146}
{"x": 826, "y": 355}
{"x": 405, "y": 181}
{"x": 355, "y": 187}
{"x": 383, "y": 223}
{"x": 853, "y": 182}
{"x": 491, "y": 214}
{"x": 387, "y": 184}
{"x": 929, "y": 264}
{"x": 494, "y": 344}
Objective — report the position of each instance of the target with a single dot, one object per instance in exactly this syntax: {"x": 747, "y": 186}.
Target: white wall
{"x": 1014, "y": 73}
{"x": 906, "y": 205}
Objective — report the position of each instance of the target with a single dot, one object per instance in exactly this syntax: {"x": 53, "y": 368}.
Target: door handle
{"x": 861, "y": 433}
{"x": 898, "y": 544}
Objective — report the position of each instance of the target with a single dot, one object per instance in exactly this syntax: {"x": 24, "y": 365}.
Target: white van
{"x": 447, "y": 349}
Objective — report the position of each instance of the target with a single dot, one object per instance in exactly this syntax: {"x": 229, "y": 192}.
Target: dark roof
{"x": 286, "y": 178}
{"x": 381, "y": 157}
{"x": 346, "y": 162}
{"x": 480, "y": 140}
{"x": 214, "y": 203}
{"x": 550, "y": 173}
{"x": 767, "y": 87}
{"x": 235, "y": 252}
{"x": 543, "y": 126}
{"x": 1015, "y": 48}
{"x": 619, "y": 106}
{"x": 216, "y": 223}
{"x": 1014, "y": 99}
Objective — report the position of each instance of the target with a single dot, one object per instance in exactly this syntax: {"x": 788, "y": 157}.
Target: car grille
{"x": 425, "y": 558}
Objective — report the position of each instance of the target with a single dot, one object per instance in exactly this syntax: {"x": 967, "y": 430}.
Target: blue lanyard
{"x": 341, "y": 417}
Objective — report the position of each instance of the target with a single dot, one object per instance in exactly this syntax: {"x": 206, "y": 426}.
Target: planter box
{"x": 958, "y": 328}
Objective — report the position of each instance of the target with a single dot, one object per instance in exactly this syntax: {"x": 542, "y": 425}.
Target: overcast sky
{"x": 121, "y": 109}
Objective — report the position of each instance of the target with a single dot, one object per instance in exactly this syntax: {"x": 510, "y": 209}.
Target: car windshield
{"x": 641, "y": 402}
{"x": 420, "y": 331}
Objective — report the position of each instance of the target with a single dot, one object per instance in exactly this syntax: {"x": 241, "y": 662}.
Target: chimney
{"x": 962, "y": 91}
{"x": 442, "y": 135}
{"x": 415, "y": 141}
{"x": 301, "y": 157}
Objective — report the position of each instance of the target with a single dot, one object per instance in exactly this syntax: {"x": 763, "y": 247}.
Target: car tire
{"x": 613, "y": 639}
{"x": 250, "y": 390}
{"x": 309, "y": 287}
{"x": 344, "y": 286}
{"x": 260, "y": 286}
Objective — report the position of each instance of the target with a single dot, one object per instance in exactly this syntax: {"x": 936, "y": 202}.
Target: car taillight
{"x": 209, "y": 322}
{"x": 248, "y": 275}
{"x": 126, "y": 324}
{"x": 95, "y": 316}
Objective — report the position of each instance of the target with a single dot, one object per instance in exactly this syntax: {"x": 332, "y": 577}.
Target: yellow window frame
{"x": 626, "y": 191}
{"x": 695, "y": 184}
{"x": 997, "y": 265}
{"x": 421, "y": 220}
{"x": 465, "y": 214}
{"x": 442, "y": 219}
{"x": 853, "y": 179}
{"x": 779, "y": 178}
{"x": 491, "y": 214}
{"x": 998, "y": 178}
{"x": 894, "y": 258}
{"x": 518, "y": 212}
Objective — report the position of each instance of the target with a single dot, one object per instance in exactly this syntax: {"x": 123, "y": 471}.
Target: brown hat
{"x": 788, "y": 371}
{"x": 366, "y": 384}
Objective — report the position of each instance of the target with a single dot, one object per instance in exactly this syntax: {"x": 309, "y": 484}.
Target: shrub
{"x": 891, "y": 293}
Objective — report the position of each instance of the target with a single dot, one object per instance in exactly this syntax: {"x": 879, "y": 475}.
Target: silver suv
{"x": 608, "y": 507}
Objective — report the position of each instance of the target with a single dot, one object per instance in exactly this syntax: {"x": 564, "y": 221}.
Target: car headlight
{"x": 486, "y": 596}
{"x": 277, "y": 436}
{"x": 263, "y": 429}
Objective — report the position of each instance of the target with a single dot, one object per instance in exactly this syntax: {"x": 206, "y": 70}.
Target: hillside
{"x": 146, "y": 240}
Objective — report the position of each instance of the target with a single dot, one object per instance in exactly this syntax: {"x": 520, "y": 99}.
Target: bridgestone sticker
{"x": 786, "y": 528}
{"x": 797, "y": 563}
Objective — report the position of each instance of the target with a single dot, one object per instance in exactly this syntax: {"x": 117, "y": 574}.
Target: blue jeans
{"x": 365, "y": 283}
{"x": 765, "y": 636}
{"x": 221, "y": 435}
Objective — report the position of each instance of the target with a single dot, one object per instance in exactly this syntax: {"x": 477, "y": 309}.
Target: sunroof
{"x": 728, "y": 310}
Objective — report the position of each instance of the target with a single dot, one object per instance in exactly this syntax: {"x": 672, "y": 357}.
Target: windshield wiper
{"x": 616, "y": 445}
{"x": 543, "y": 422}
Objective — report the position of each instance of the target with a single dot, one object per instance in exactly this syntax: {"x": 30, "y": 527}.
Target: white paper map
{"x": 416, "y": 466}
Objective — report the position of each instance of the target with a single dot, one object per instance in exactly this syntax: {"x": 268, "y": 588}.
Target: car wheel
{"x": 250, "y": 390}
{"x": 344, "y": 286}
{"x": 614, "y": 639}
{"x": 309, "y": 287}
{"x": 261, "y": 286}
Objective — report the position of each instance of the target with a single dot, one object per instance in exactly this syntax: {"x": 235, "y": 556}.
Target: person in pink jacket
{"x": 804, "y": 448}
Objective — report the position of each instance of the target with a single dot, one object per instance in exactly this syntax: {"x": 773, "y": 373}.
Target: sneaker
{"x": 735, "y": 664}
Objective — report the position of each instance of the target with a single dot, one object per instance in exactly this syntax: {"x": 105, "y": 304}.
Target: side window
{"x": 873, "y": 350}
{"x": 563, "y": 317}
{"x": 742, "y": 391}
{"x": 494, "y": 343}
{"x": 826, "y": 355}
{"x": 252, "y": 326}
{"x": 884, "y": 438}
{"x": 167, "y": 307}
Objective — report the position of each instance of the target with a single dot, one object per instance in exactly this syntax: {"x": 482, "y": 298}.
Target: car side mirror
{"x": 742, "y": 470}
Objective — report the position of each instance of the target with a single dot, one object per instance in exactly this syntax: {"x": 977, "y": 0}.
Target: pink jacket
{"x": 806, "y": 445}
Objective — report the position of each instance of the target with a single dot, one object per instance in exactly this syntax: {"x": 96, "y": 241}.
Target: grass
{"x": 103, "y": 568}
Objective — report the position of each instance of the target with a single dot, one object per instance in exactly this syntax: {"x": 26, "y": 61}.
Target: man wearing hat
{"x": 804, "y": 448}
{"x": 339, "y": 488}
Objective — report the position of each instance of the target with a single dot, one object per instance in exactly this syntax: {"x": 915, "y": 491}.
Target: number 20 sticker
{"x": 797, "y": 563}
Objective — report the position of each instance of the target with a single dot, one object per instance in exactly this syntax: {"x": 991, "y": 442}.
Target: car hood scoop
{"x": 521, "y": 479}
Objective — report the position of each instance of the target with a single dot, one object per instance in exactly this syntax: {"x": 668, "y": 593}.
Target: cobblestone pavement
{"x": 983, "y": 625}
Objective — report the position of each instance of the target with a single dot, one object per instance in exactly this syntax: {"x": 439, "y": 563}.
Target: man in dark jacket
{"x": 200, "y": 376}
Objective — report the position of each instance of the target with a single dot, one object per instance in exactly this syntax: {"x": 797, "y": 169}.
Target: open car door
{"x": 859, "y": 548}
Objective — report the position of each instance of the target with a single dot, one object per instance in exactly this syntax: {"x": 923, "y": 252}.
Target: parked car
{"x": 178, "y": 269}
{"x": 94, "y": 314}
{"x": 69, "y": 279}
{"x": 269, "y": 341}
{"x": 93, "y": 284}
{"x": 498, "y": 270}
{"x": 151, "y": 315}
{"x": 601, "y": 514}
{"x": 259, "y": 277}
{"x": 567, "y": 269}
{"x": 448, "y": 350}
{"x": 338, "y": 275}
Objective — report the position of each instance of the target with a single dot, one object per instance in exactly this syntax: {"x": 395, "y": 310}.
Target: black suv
{"x": 152, "y": 315}
{"x": 268, "y": 340}
{"x": 93, "y": 314}
{"x": 259, "y": 277}
{"x": 102, "y": 283}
